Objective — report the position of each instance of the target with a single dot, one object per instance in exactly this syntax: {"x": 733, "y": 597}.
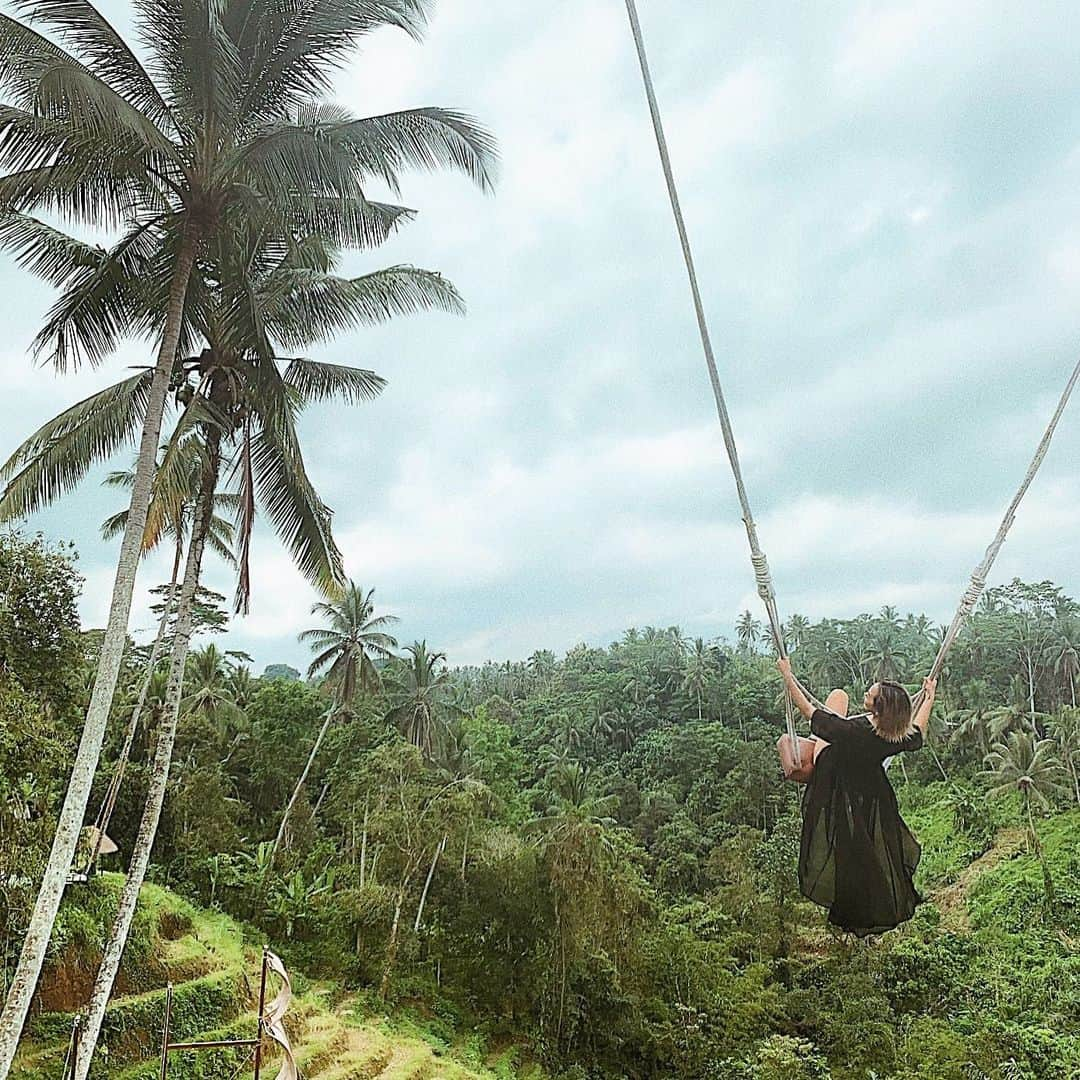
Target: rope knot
{"x": 762, "y": 575}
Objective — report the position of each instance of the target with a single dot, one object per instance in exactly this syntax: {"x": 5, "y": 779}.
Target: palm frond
{"x": 298, "y": 515}
{"x": 354, "y": 223}
{"x": 60, "y": 453}
{"x": 25, "y": 55}
{"x": 114, "y": 526}
{"x": 429, "y": 139}
{"x": 321, "y": 661}
{"x": 315, "y": 381}
{"x": 53, "y": 171}
{"x": 105, "y": 51}
{"x": 48, "y": 253}
{"x": 303, "y": 307}
{"x": 100, "y": 304}
{"x": 194, "y": 58}
{"x": 292, "y": 49}
{"x": 292, "y": 162}
{"x": 73, "y": 95}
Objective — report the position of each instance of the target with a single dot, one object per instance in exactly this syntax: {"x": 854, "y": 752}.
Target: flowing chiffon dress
{"x": 857, "y": 857}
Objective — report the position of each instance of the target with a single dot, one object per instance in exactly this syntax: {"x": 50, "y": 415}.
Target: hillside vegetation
{"x": 584, "y": 862}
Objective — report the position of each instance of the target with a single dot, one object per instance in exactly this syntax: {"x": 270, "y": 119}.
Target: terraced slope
{"x": 214, "y": 979}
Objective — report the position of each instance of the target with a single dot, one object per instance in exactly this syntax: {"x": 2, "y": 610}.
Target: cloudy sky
{"x": 885, "y": 202}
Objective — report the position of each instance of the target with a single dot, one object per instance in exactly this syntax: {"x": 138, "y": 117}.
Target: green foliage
{"x": 594, "y": 858}
{"x": 39, "y": 621}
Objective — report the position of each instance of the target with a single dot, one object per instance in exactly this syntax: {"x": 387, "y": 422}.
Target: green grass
{"x": 1010, "y": 895}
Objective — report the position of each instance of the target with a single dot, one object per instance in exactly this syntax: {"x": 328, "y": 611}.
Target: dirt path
{"x": 952, "y": 900}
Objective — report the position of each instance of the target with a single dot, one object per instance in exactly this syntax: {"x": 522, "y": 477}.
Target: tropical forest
{"x": 387, "y": 861}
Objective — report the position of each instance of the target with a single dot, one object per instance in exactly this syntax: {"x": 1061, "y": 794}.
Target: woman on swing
{"x": 857, "y": 858}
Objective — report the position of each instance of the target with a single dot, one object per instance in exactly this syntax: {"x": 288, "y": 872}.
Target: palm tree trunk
{"x": 1031, "y": 692}
{"x": 439, "y": 848}
{"x": 159, "y": 772}
{"x": 330, "y": 713}
{"x": 109, "y": 802}
{"x": 69, "y": 824}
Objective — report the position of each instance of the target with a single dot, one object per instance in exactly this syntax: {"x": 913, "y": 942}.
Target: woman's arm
{"x": 795, "y": 692}
{"x": 922, "y": 717}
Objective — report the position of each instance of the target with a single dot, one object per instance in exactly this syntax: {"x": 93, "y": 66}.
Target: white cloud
{"x": 881, "y": 222}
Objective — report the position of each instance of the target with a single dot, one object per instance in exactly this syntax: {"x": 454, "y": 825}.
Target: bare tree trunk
{"x": 109, "y": 802}
{"x": 363, "y": 844}
{"x": 1048, "y": 881}
{"x": 159, "y": 774}
{"x": 69, "y": 824}
{"x": 392, "y": 943}
{"x": 330, "y": 713}
{"x": 439, "y": 849}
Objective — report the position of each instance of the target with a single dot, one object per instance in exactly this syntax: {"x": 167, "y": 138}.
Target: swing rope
{"x": 760, "y": 563}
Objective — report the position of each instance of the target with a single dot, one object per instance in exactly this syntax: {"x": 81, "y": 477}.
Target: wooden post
{"x": 165, "y": 1031}
{"x": 71, "y": 1058}
{"x": 262, "y": 1009}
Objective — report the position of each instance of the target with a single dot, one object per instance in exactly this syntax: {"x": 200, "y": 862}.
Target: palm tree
{"x": 243, "y": 684}
{"x": 698, "y": 672}
{"x": 208, "y": 691}
{"x": 1064, "y": 651}
{"x": 574, "y": 837}
{"x": 350, "y": 647}
{"x": 239, "y": 400}
{"x": 887, "y": 652}
{"x": 542, "y": 667}
{"x": 795, "y": 630}
{"x": 232, "y": 118}
{"x": 1066, "y": 732}
{"x": 422, "y": 697}
{"x": 748, "y": 632}
{"x": 1030, "y": 766}
{"x": 355, "y": 639}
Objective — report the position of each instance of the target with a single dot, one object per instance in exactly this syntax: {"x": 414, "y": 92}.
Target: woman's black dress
{"x": 858, "y": 857}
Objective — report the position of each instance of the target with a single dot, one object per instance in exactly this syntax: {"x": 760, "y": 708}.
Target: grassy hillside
{"x": 214, "y": 972}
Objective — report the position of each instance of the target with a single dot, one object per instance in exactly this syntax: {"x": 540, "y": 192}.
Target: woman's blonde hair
{"x": 892, "y": 711}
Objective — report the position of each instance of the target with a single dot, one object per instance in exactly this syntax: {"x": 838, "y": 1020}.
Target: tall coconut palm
{"x": 351, "y": 645}
{"x": 701, "y": 665}
{"x": 225, "y": 113}
{"x": 1064, "y": 652}
{"x": 422, "y": 696}
{"x": 1031, "y": 767}
{"x": 208, "y": 692}
{"x": 348, "y": 650}
{"x": 242, "y": 684}
{"x": 1066, "y": 731}
{"x": 748, "y": 632}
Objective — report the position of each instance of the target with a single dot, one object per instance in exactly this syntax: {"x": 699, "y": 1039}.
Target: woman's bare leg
{"x": 836, "y": 702}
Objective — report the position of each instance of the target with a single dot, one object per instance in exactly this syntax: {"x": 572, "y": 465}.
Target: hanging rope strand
{"x": 978, "y": 579}
{"x": 757, "y": 556}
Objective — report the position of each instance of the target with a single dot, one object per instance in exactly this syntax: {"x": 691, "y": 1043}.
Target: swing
{"x": 796, "y": 753}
